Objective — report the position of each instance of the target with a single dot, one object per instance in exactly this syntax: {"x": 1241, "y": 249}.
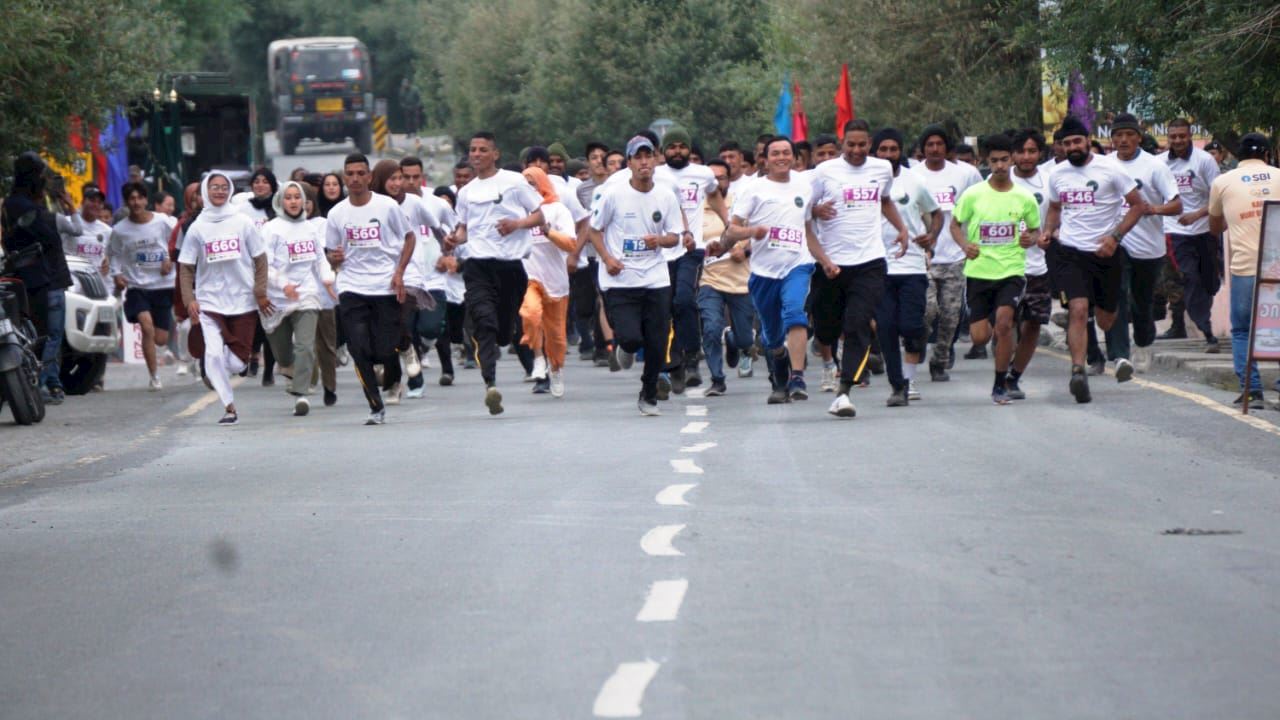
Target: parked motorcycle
{"x": 19, "y": 344}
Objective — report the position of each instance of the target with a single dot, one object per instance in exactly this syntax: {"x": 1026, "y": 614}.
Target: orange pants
{"x": 544, "y": 318}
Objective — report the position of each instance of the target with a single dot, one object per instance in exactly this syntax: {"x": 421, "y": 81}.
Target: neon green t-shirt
{"x": 994, "y": 220}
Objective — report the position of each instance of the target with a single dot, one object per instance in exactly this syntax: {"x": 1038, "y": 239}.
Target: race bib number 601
{"x": 996, "y": 233}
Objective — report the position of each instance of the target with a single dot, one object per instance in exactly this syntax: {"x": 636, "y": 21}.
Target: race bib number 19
{"x": 222, "y": 249}
{"x": 634, "y": 247}
{"x": 786, "y": 238}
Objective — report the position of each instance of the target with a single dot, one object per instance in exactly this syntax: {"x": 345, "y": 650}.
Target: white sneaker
{"x": 912, "y": 393}
{"x": 557, "y": 383}
{"x": 1124, "y": 370}
{"x": 409, "y": 356}
{"x": 828, "y": 379}
{"x": 343, "y": 356}
{"x": 393, "y": 395}
{"x": 301, "y": 407}
{"x": 168, "y": 358}
{"x": 416, "y": 393}
{"x": 155, "y": 383}
{"x": 744, "y": 366}
{"x": 842, "y": 406}
{"x": 539, "y": 368}
{"x": 182, "y": 370}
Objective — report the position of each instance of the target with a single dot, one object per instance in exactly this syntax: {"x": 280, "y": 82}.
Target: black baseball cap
{"x": 1255, "y": 143}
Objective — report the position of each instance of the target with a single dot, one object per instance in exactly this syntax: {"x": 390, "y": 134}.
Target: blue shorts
{"x": 780, "y": 303}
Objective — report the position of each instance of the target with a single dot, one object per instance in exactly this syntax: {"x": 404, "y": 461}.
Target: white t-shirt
{"x": 913, "y": 201}
{"x": 625, "y": 215}
{"x": 242, "y": 203}
{"x": 546, "y": 262}
{"x": 222, "y": 253}
{"x": 321, "y": 224}
{"x": 1157, "y": 186}
{"x": 947, "y": 185}
{"x": 295, "y": 256}
{"x": 88, "y": 239}
{"x": 1194, "y": 177}
{"x": 485, "y": 201}
{"x": 1038, "y": 186}
{"x": 569, "y": 197}
{"x": 854, "y": 235}
{"x": 426, "y": 248}
{"x": 736, "y": 187}
{"x": 1091, "y": 197}
{"x": 693, "y": 183}
{"x": 372, "y": 237}
{"x": 783, "y": 208}
{"x": 138, "y": 252}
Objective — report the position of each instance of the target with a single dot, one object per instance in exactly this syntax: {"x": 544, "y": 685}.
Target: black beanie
{"x": 888, "y": 133}
{"x": 938, "y": 130}
{"x": 1071, "y": 125}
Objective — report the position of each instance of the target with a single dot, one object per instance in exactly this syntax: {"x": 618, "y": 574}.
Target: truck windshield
{"x": 328, "y": 64}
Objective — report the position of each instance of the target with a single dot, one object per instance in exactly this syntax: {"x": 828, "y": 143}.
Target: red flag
{"x": 844, "y": 101}
{"x": 799, "y": 121}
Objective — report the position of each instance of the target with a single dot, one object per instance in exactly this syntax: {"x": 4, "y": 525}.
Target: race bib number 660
{"x": 222, "y": 249}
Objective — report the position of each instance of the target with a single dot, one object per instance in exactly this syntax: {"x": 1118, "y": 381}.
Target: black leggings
{"x": 372, "y": 324}
{"x": 495, "y": 289}
{"x": 641, "y": 319}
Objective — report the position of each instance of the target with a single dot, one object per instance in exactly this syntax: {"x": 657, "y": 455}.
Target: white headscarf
{"x": 212, "y": 214}
{"x": 277, "y": 202}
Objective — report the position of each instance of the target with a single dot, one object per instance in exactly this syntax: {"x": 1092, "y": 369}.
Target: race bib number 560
{"x": 364, "y": 236}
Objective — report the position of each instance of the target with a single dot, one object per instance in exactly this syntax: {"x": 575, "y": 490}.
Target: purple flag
{"x": 1078, "y": 103}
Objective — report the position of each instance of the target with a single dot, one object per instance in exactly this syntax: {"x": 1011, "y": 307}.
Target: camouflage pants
{"x": 943, "y": 305}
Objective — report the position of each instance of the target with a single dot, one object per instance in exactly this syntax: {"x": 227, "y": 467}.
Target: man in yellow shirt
{"x": 1235, "y": 205}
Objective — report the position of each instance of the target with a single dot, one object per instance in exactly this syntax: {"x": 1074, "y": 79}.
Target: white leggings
{"x": 219, "y": 361}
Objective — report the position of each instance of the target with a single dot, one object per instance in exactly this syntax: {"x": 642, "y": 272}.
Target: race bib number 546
{"x": 222, "y": 249}
{"x": 1076, "y": 197}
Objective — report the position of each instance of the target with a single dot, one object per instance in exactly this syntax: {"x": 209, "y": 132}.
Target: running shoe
{"x": 829, "y": 373}
{"x": 541, "y": 386}
{"x": 393, "y": 394}
{"x": 330, "y": 398}
{"x": 412, "y": 365}
{"x": 446, "y": 379}
{"x": 417, "y": 393}
{"x": 716, "y": 389}
{"x": 614, "y": 358}
{"x": 664, "y": 387}
{"x": 377, "y": 417}
{"x": 1013, "y": 391}
{"x": 301, "y": 407}
{"x": 627, "y": 359}
{"x": 744, "y": 366}
{"x": 1124, "y": 370}
{"x": 912, "y": 393}
{"x": 1256, "y": 398}
{"x": 692, "y": 378}
{"x": 1079, "y": 385}
{"x": 875, "y": 363}
{"x": 648, "y": 408}
{"x": 1000, "y": 396}
{"x": 229, "y": 419}
{"x": 842, "y": 406}
{"x": 938, "y": 373}
{"x": 539, "y": 371}
{"x": 1098, "y": 367}
{"x": 493, "y": 400}
{"x": 898, "y": 399}
{"x": 183, "y": 369}
{"x": 557, "y": 383}
{"x": 797, "y": 389}
{"x": 678, "y": 378}
{"x": 155, "y": 383}
{"x": 779, "y": 396}
{"x": 343, "y": 355}
{"x": 1213, "y": 347}
{"x": 977, "y": 352}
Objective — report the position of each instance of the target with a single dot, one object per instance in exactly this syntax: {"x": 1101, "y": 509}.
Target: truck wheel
{"x": 288, "y": 143}
{"x": 78, "y": 372}
{"x": 364, "y": 139}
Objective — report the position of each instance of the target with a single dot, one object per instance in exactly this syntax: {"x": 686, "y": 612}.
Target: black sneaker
{"x": 716, "y": 389}
{"x": 678, "y": 379}
{"x": 1213, "y": 347}
{"x": 541, "y": 386}
{"x": 938, "y": 373}
{"x": 664, "y": 387}
{"x": 692, "y": 378}
{"x": 1173, "y": 333}
{"x": 446, "y": 379}
{"x": 268, "y": 379}
{"x": 1098, "y": 367}
{"x": 253, "y": 368}
{"x": 731, "y": 356}
{"x": 615, "y": 359}
{"x": 875, "y": 363}
{"x": 493, "y": 400}
{"x": 330, "y": 398}
{"x": 779, "y": 396}
{"x": 229, "y": 419}
{"x": 977, "y": 352}
{"x": 1012, "y": 389}
{"x": 1256, "y": 398}
{"x": 898, "y": 399}
{"x": 1080, "y": 385}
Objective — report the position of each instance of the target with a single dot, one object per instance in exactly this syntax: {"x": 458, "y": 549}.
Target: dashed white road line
{"x": 664, "y": 601}
{"x": 674, "y": 494}
{"x": 657, "y": 542}
{"x": 206, "y": 400}
{"x": 697, "y": 447}
{"x": 694, "y": 428}
{"x": 695, "y": 410}
{"x": 622, "y": 693}
{"x": 686, "y": 466}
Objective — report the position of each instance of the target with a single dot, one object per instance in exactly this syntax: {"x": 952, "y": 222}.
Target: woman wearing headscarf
{"x": 223, "y": 273}
{"x": 545, "y": 309}
{"x": 257, "y": 205}
{"x": 331, "y": 192}
{"x": 298, "y": 278}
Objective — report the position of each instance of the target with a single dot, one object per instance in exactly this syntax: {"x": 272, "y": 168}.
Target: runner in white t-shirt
{"x": 696, "y": 188}
{"x": 140, "y": 262}
{"x": 545, "y": 311}
{"x": 496, "y": 211}
{"x": 426, "y": 272}
{"x": 852, "y": 199}
{"x": 900, "y": 313}
{"x": 1037, "y": 299}
{"x": 947, "y": 181}
{"x": 1086, "y": 199}
{"x": 1143, "y": 249}
{"x": 369, "y": 243}
{"x": 84, "y": 234}
{"x": 631, "y": 224}
{"x": 224, "y": 285}
{"x": 1195, "y": 249}
{"x": 773, "y": 213}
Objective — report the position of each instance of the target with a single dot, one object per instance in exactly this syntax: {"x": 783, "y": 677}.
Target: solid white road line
{"x": 657, "y": 542}
{"x": 674, "y": 494}
{"x": 697, "y": 447}
{"x": 686, "y": 466}
{"x": 664, "y": 600}
{"x": 694, "y": 428}
{"x": 624, "y": 690}
{"x": 206, "y": 400}
{"x": 695, "y": 410}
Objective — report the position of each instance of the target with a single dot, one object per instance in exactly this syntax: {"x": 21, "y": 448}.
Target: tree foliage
{"x": 74, "y": 59}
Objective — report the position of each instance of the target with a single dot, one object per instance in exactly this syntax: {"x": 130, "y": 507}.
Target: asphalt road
{"x": 571, "y": 559}
{"x": 320, "y": 157}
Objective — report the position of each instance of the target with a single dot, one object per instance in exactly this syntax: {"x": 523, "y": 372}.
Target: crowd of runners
{"x": 869, "y": 253}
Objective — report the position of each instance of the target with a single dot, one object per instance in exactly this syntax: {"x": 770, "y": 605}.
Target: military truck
{"x": 322, "y": 90}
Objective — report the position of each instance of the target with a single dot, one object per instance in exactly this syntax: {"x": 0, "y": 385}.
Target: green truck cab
{"x": 322, "y": 89}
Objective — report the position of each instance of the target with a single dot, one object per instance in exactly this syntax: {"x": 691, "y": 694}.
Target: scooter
{"x": 19, "y": 344}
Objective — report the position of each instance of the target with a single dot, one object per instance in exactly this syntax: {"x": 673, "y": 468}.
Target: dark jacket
{"x": 25, "y": 222}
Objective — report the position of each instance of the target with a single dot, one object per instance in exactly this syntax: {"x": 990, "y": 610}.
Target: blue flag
{"x": 782, "y": 114}
{"x": 115, "y": 144}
